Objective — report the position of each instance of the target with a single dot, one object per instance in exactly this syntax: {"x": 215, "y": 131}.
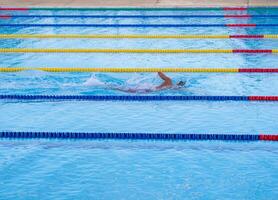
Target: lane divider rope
{"x": 5, "y": 16}
{"x": 28, "y": 50}
{"x": 140, "y": 16}
{"x": 71, "y": 36}
{"x": 139, "y": 136}
{"x": 139, "y": 25}
{"x": 129, "y": 70}
{"x": 141, "y": 8}
{"x": 136, "y": 98}
{"x": 15, "y": 9}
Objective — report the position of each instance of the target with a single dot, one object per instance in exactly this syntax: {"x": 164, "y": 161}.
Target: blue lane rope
{"x": 130, "y": 25}
{"x": 134, "y": 16}
{"x": 124, "y": 98}
{"x": 142, "y": 136}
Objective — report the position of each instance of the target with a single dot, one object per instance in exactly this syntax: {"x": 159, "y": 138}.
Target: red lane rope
{"x": 263, "y": 98}
{"x": 241, "y": 25}
{"x": 268, "y": 137}
{"x": 246, "y": 36}
{"x": 234, "y": 8}
{"x": 252, "y": 51}
{"x": 5, "y": 16}
{"x": 21, "y": 9}
{"x": 258, "y": 70}
{"x": 226, "y": 16}
{"x": 225, "y": 8}
{"x": 237, "y": 16}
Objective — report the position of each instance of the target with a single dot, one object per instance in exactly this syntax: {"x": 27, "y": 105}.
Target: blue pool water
{"x": 58, "y": 169}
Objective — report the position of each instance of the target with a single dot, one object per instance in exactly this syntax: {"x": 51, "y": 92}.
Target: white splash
{"x": 93, "y": 81}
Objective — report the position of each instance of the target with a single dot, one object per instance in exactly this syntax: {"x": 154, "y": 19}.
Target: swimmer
{"x": 167, "y": 84}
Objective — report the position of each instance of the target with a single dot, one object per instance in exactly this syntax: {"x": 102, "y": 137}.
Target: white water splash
{"x": 93, "y": 81}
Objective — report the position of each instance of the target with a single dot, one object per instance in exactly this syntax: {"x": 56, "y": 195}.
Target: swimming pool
{"x": 131, "y": 169}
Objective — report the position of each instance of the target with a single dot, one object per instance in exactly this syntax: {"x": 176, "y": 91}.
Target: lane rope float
{"x": 139, "y": 25}
{"x": 5, "y": 16}
{"x": 130, "y": 70}
{"x": 139, "y": 136}
{"x": 77, "y": 36}
{"x": 135, "y": 98}
{"x": 28, "y": 50}
{"x": 140, "y": 8}
{"x": 140, "y": 16}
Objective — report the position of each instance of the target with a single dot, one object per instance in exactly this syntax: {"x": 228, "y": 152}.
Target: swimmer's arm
{"x": 163, "y": 76}
{"x": 167, "y": 81}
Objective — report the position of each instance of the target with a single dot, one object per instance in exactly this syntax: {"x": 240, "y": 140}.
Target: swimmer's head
{"x": 181, "y": 83}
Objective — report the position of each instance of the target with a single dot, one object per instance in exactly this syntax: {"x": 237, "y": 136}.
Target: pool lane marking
{"x": 250, "y": 36}
{"x": 268, "y": 137}
{"x": 252, "y": 51}
{"x": 139, "y": 136}
{"x": 138, "y": 8}
{"x": 28, "y": 50}
{"x": 262, "y": 98}
{"x": 140, "y": 25}
{"x": 247, "y": 16}
{"x": 111, "y": 36}
{"x": 122, "y": 8}
{"x": 126, "y": 70}
{"x": 136, "y": 98}
{"x": 245, "y": 25}
{"x": 258, "y": 70}
{"x": 140, "y": 16}
{"x": 14, "y": 9}
{"x": 147, "y": 70}
{"x": 5, "y": 16}
{"x": 236, "y": 8}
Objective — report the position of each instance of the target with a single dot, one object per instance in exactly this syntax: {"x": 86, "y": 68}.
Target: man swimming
{"x": 167, "y": 84}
